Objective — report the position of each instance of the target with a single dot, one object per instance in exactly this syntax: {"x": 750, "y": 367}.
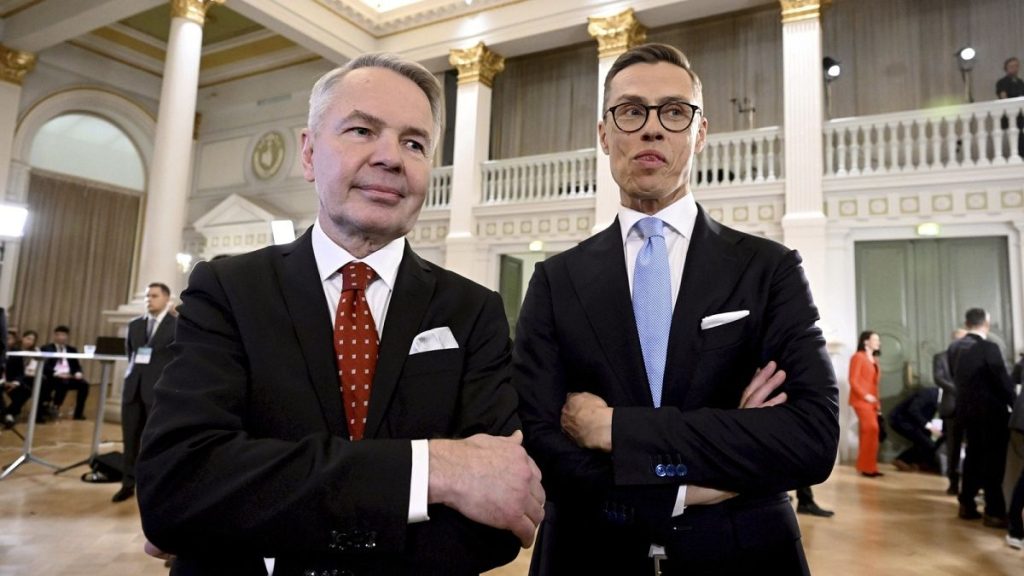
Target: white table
{"x": 106, "y": 362}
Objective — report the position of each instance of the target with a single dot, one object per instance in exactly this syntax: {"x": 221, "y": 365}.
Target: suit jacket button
{"x": 660, "y": 471}
{"x": 681, "y": 470}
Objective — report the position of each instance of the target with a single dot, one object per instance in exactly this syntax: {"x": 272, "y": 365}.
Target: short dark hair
{"x": 1006, "y": 64}
{"x": 28, "y": 333}
{"x": 864, "y": 337}
{"x": 975, "y": 317}
{"x": 163, "y": 287}
{"x": 652, "y": 54}
{"x": 62, "y": 328}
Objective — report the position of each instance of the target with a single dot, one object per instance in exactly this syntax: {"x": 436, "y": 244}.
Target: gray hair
{"x": 320, "y": 97}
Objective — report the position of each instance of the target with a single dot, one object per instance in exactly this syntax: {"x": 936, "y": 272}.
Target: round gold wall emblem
{"x": 268, "y": 155}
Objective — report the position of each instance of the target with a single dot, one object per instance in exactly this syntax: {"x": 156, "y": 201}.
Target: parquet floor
{"x": 898, "y": 525}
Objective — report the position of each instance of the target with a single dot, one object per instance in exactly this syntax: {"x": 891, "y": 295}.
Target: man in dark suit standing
{"x": 148, "y": 348}
{"x": 338, "y": 404}
{"x": 984, "y": 396}
{"x": 652, "y": 329}
{"x": 953, "y": 433}
{"x": 64, "y": 374}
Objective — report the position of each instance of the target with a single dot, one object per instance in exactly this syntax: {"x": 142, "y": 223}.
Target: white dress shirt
{"x": 679, "y": 218}
{"x": 329, "y": 259}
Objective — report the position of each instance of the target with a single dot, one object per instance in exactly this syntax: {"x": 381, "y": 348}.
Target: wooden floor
{"x": 901, "y": 524}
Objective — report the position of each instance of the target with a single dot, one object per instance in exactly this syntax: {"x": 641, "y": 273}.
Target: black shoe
{"x": 123, "y": 494}
{"x": 995, "y": 521}
{"x": 872, "y": 474}
{"x": 814, "y": 510}
{"x": 8, "y": 421}
{"x": 903, "y": 466}
{"x": 77, "y": 417}
{"x": 968, "y": 513}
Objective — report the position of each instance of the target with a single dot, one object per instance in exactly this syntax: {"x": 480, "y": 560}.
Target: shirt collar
{"x": 330, "y": 257}
{"x": 681, "y": 215}
{"x": 159, "y": 316}
{"x": 979, "y": 334}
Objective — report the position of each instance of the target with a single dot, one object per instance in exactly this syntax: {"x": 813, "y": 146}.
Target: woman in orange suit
{"x": 864, "y": 375}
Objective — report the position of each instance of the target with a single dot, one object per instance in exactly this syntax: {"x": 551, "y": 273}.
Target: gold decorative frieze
{"x": 797, "y": 10}
{"x": 616, "y": 34}
{"x": 477, "y": 64}
{"x": 194, "y": 10}
{"x": 14, "y": 65}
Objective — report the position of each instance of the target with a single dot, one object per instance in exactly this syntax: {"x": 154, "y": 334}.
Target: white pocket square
{"x": 433, "y": 339}
{"x": 723, "y": 318}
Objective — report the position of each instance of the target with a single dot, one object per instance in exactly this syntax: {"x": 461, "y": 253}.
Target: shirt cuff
{"x": 419, "y": 479}
{"x": 680, "y": 506}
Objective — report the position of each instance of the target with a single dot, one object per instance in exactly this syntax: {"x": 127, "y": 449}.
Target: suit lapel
{"x": 599, "y": 278}
{"x": 713, "y": 266}
{"x": 414, "y": 289}
{"x": 304, "y": 298}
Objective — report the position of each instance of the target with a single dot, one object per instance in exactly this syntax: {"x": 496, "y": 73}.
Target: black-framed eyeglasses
{"x": 674, "y": 115}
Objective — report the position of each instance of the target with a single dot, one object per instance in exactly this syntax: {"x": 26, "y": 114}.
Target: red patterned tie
{"x": 355, "y": 343}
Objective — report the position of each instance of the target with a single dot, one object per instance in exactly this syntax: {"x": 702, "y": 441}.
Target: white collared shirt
{"x": 679, "y": 218}
{"x": 156, "y": 320}
{"x": 329, "y": 259}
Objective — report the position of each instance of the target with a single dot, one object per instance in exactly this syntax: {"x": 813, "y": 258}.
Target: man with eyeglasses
{"x": 638, "y": 351}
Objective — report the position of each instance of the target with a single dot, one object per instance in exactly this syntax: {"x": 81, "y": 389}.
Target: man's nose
{"x": 387, "y": 153}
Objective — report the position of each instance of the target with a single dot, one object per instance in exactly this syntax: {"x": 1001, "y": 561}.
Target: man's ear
{"x": 306, "y": 155}
{"x": 702, "y": 134}
{"x": 602, "y": 136}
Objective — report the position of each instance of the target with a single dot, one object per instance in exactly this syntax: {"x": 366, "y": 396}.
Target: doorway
{"x": 913, "y": 293}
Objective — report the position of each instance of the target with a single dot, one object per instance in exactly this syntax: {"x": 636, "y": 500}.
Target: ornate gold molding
{"x": 194, "y": 10}
{"x": 14, "y": 65}
{"x": 616, "y": 34}
{"x": 797, "y": 10}
{"x": 477, "y": 64}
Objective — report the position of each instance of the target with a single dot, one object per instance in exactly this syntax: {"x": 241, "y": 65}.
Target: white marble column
{"x": 615, "y": 35}
{"x": 477, "y": 68}
{"x": 170, "y": 175}
{"x": 14, "y": 65}
{"x": 803, "y": 225}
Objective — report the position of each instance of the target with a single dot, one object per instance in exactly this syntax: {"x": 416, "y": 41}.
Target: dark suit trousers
{"x": 19, "y": 396}
{"x": 1017, "y": 497}
{"x": 134, "y": 414}
{"x": 60, "y": 392}
{"x": 954, "y": 439}
{"x": 923, "y": 449}
{"x": 984, "y": 464}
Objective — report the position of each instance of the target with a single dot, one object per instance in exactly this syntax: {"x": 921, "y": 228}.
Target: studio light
{"x": 965, "y": 58}
{"x": 12, "y": 221}
{"x": 831, "y": 67}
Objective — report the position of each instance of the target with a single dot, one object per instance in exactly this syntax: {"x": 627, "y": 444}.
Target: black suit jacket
{"x": 916, "y": 410}
{"x": 51, "y": 364}
{"x": 984, "y": 390}
{"x": 943, "y": 378}
{"x": 246, "y": 454}
{"x": 576, "y": 332}
{"x": 141, "y": 378}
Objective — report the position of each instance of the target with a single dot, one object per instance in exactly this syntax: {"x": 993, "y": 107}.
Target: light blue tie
{"x": 652, "y": 301}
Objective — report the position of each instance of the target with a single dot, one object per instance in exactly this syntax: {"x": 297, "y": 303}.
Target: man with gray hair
{"x": 338, "y": 405}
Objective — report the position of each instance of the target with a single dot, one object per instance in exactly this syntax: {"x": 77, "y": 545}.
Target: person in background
{"x": 910, "y": 418}
{"x": 952, "y": 431}
{"x": 13, "y": 385}
{"x": 65, "y": 374}
{"x": 984, "y": 395}
{"x": 148, "y": 348}
{"x": 1011, "y": 85}
{"x": 864, "y": 378}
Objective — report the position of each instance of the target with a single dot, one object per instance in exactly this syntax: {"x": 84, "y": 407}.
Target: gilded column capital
{"x": 477, "y": 64}
{"x": 194, "y": 10}
{"x": 797, "y": 10}
{"x": 616, "y": 34}
{"x": 14, "y": 65}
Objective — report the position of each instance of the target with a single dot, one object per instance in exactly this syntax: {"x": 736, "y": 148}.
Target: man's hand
{"x": 765, "y": 381}
{"x": 79, "y": 375}
{"x": 587, "y": 419}
{"x": 155, "y": 552}
{"x": 490, "y": 480}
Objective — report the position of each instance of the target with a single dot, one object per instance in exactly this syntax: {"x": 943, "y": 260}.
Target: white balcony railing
{"x": 538, "y": 178}
{"x": 981, "y": 134}
{"x": 735, "y": 158}
{"x": 439, "y": 194}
